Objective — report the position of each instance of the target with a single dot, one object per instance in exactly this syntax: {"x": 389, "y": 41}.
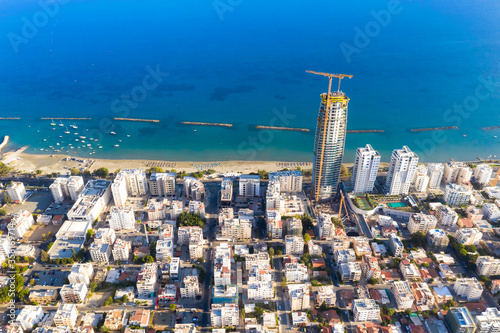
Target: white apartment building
{"x": 222, "y": 265}
{"x": 197, "y": 207}
{"x": 401, "y": 171}
{"x": 223, "y": 315}
{"x": 195, "y": 251}
{"x": 176, "y": 208}
{"x": 421, "y": 179}
{"x": 326, "y": 227}
{"x": 421, "y": 222}
{"x": 295, "y": 272}
{"x": 294, "y": 245}
{"x": 105, "y": 236}
{"x": 249, "y": 186}
{"x": 314, "y": 248}
{"x": 194, "y": 189}
{"x": 298, "y": 296}
{"x": 66, "y": 188}
{"x": 491, "y": 212}
{"x": 274, "y": 224}
{"x": 482, "y": 174}
{"x": 274, "y": 198}
{"x": 456, "y": 172}
{"x": 396, "y": 245}
{"x": 366, "y": 309}
{"x": 162, "y": 184}
{"x": 73, "y": 293}
{"x": 137, "y": 183}
{"x": 226, "y": 191}
{"x": 409, "y": 271}
{"x": 403, "y": 295}
{"x": 122, "y": 218}
{"x": 147, "y": 280}
{"x": 468, "y": 288}
{"x": 468, "y": 236}
{"x": 157, "y": 209}
{"x": 350, "y": 271}
{"x": 436, "y": 240}
{"x": 5, "y": 247}
{"x": 189, "y": 235}
{"x": 293, "y": 226}
{"x": 435, "y": 171}
{"x": 326, "y": 294}
{"x": 16, "y": 191}
{"x": 344, "y": 255}
{"x": 29, "y": 316}
{"x": 340, "y": 242}
{"x": 164, "y": 249}
{"x": 190, "y": 287}
{"x": 121, "y": 250}
{"x": 66, "y": 315}
{"x": 119, "y": 190}
{"x": 364, "y": 172}
{"x": 260, "y": 290}
{"x": 91, "y": 201}
{"x": 81, "y": 273}
{"x": 290, "y": 181}
{"x": 424, "y": 298}
{"x": 260, "y": 259}
{"x": 488, "y": 321}
{"x": 487, "y": 266}
{"x": 370, "y": 267}
{"x": 100, "y": 253}
{"x": 446, "y": 216}
{"x": 457, "y": 195}
{"x": 20, "y": 223}
{"x": 236, "y": 229}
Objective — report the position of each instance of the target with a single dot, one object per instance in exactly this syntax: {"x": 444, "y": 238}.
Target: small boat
{"x": 77, "y": 140}
{"x": 66, "y": 131}
{"x": 112, "y": 133}
{"x": 74, "y": 126}
{"x": 117, "y": 145}
{"x": 495, "y": 136}
{"x": 119, "y": 140}
{"x": 52, "y": 123}
{"x": 82, "y": 137}
{"x": 100, "y": 147}
{"x": 75, "y": 133}
{"x": 60, "y": 123}
{"x": 57, "y": 143}
{"x": 60, "y": 136}
{"x": 128, "y": 135}
{"x": 44, "y": 139}
{"x": 83, "y": 141}
{"x": 53, "y": 128}
{"x": 465, "y": 135}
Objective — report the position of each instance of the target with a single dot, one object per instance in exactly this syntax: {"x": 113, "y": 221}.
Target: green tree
{"x": 149, "y": 259}
{"x": 190, "y": 219}
{"x": 418, "y": 239}
{"x": 307, "y": 238}
{"x": 271, "y": 252}
{"x": 125, "y": 299}
{"x": 6, "y": 198}
{"x": 4, "y": 169}
{"x": 3, "y": 212}
{"x": 108, "y": 301}
{"x": 89, "y": 235}
{"x": 172, "y": 307}
{"x": 44, "y": 256}
{"x": 155, "y": 169}
{"x": 38, "y": 172}
{"x": 201, "y": 259}
{"x": 74, "y": 171}
{"x": 344, "y": 171}
{"x": 102, "y": 172}
{"x": 307, "y": 223}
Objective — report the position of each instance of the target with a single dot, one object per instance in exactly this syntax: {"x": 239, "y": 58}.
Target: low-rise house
{"x": 139, "y": 318}
{"x": 115, "y": 319}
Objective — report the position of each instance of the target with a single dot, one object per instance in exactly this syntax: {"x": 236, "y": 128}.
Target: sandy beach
{"x": 56, "y": 163}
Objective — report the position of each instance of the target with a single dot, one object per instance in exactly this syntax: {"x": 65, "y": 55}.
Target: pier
{"x": 206, "y": 124}
{"x": 434, "y": 129}
{"x": 59, "y": 118}
{"x": 133, "y": 119}
{"x": 9, "y": 118}
{"x": 365, "y": 131}
{"x": 4, "y": 142}
{"x": 490, "y": 128}
{"x": 283, "y": 128}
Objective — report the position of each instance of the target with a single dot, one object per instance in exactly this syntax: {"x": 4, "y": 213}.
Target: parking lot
{"x": 38, "y": 201}
{"x": 38, "y": 233}
{"x": 50, "y": 278}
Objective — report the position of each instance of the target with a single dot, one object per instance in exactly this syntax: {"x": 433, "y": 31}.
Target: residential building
{"x": 482, "y": 174}
{"x": 361, "y": 245}
{"x": 73, "y": 293}
{"x": 274, "y": 224}
{"x": 222, "y": 265}
{"x": 236, "y": 229}
{"x": 300, "y": 319}
{"x": 139, "y": 318}
{"x": 491, "y": 212}
{"x": 488, "y": 321}
{"x": 147, "y": 280}
{"x": 435, "y": 171}
{"x": 468, "y": 288}
{"x": 366, "y": 310}
{"x": 29, "y": 316}
{"x": 436, "y": 240}
{"x": 424, "y": 299}
{"x": 409, "y": 271}
{"x": 64, "y": 188}
{"x": 119, "y": 190}
{"x": 105, "y": 236}
{"x": 402, "y": 294}
{"x": 456, "y": 172}
{"x": 115, "y": 319}
{"x": 157, "y": 209}
{"x": 176, "y": 208}
{"x": 162, "y": 184}
{"x": 344, "y": 255}
{"x": 81, "y": 273}
{"x": 290, "y": 181}
{"x": 364, "y": 172}
{"x": 197, "y": 207}
{"x": 326, "y": 294}
{"x": 274, "y": 198}
{"x": 223, "y": 315}
{"x": 249, "y": 186}
{"x": 260, "y": 290}
{"x": 43, "y": 296}
{"x": 20, "y": 223}
{"x": 340, "y": 242}
{"x": 66, "y": 315}
{"x": 190, "y": 287}
{"x": 326, "y": 228}
{"x": 295, "y": 272}
{"x": 226, "y": 192}
{"x": 350, "y": 271}
{"x": 122, "y": 218}
{"x": 260, "y": 259}
{"x": 396, "y": 245}
{"x": 293, "y": 226}
{"x": 446, "y": 216}
{"x": 460, "y": 320}
{"x": 194, "y": 189}
{"x": 121, "y": 250}
{"x": 456, "y": 195}
{"x": 189, "y": 235}
{"x": 401, "y": 171}
{"x": 164, "y": 249}
{"x": 100, "y": 253}
{"x": 314, "y": 248}
{"x": 488, "y": 266}
{"x": 298, "y": 296}
{"x": 421, "y": 179}
{"x": 94, "y": 197}
{"x": 136, "y": 181}
{"x": 370, "y": 267}
{"x": 421, "y": 222}
{"x": 329, "y": 144}
{"x": 16, "y": 191}
{"x": 227, "y": 294}
{"x": 468, "y": 236}
{"x": 294, "y": 245}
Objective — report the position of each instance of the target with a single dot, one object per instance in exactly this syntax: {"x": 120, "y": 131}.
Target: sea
{"x": 415, "y": 64}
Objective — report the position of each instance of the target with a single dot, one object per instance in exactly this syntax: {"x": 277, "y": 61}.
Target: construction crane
{"x": 342, "y": 201}
{"x": 494, "y": 183}
{"x": 325, "y": 121}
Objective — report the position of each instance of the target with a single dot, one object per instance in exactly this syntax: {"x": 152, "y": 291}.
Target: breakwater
{"x": 4, "y": 142}
{"x": 9, "y": 118}
{"x": 283, "y": 128}
{"x": 61, "y": 118}
{"x": 434, "y": 129}
{"x": 490, "y": 128}
{"x": 133, "y": 119}
{"x": 206, "y": 124}
{"x": 365, "y": 131}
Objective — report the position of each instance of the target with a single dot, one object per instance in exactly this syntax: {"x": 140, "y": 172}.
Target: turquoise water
{"x": 408, "y": 73}
{"x": 396, "y": 204}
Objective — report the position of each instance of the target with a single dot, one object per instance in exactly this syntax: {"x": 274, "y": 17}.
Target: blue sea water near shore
{"x": 415, "y": 64}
